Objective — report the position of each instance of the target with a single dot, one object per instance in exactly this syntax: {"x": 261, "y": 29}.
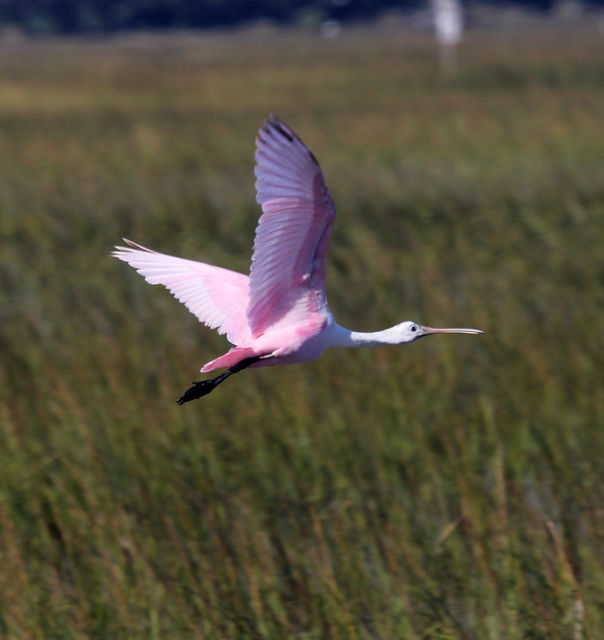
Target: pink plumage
{"x": 217, "y": 297}
{"x": 278, "y": 314}
{"x": 287, "y": 276}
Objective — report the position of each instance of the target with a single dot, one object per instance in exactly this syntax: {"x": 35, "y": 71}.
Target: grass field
{"x": 453, "y": 488}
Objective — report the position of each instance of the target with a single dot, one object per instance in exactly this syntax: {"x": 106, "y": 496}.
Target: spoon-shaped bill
{"x": 426, "y": 331}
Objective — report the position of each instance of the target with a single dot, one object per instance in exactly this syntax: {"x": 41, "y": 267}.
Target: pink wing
{"x": 218, "y": 297}
{"x": 287, "y": 275}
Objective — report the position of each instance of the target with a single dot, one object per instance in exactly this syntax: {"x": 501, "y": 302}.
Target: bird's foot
{"x": 203, "y": 387}
{"x": 198, "y": 390}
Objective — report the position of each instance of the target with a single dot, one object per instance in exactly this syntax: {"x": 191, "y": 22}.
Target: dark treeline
{"x": 74, "y": 16}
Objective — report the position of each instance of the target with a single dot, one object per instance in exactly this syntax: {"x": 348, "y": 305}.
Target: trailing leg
{"x": 203, "y": 387}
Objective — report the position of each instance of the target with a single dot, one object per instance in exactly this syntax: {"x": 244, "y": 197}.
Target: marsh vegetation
{"x": 453, "y": 488}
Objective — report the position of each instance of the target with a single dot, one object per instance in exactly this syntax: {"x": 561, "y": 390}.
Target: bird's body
{"x": 278, "y": 314}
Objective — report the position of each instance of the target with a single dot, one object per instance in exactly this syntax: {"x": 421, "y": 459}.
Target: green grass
{"x": 449, "y": 489}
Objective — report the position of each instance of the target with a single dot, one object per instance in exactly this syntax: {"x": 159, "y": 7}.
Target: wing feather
{"x": 217, "y": 297}
{"x": 288, "y": 265}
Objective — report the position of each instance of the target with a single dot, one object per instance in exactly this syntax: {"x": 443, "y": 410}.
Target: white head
{"x": 410, "y": 331}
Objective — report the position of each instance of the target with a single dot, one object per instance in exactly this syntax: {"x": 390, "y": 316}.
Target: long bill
{"x": 426, "y": 331}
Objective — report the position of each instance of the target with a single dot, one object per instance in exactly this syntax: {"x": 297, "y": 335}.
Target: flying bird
{"x": 278, "y": 314}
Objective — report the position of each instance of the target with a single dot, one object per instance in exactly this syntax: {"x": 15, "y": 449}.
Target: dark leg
{"x": 203, "y": 387}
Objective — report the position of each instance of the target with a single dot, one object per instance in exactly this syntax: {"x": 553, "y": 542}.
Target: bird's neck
{"x": 347, "y": 338}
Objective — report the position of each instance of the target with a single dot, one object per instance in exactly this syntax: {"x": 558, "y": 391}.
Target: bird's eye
{"x": 414, "y": 328}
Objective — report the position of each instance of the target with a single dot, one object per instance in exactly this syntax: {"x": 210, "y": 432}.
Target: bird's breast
{"x": 299, "y": 343}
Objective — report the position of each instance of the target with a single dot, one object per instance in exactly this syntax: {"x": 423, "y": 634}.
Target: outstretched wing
{"x": 218, "y": 297}
{"x": 287, "y": 276}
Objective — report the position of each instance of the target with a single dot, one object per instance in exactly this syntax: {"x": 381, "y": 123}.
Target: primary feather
{"x": 288, "y": 265}
{"x": 217, "y": 296}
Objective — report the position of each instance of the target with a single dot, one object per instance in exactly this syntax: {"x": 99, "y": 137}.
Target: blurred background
{"x": 92, "y": 16}
{"x": 453, "y": 488}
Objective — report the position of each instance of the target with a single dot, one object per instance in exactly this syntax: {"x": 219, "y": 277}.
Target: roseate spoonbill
{"x": 278, "y": 314}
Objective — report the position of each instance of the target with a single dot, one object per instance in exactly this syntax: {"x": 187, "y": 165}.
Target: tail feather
{"x": 229, "y": 359}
